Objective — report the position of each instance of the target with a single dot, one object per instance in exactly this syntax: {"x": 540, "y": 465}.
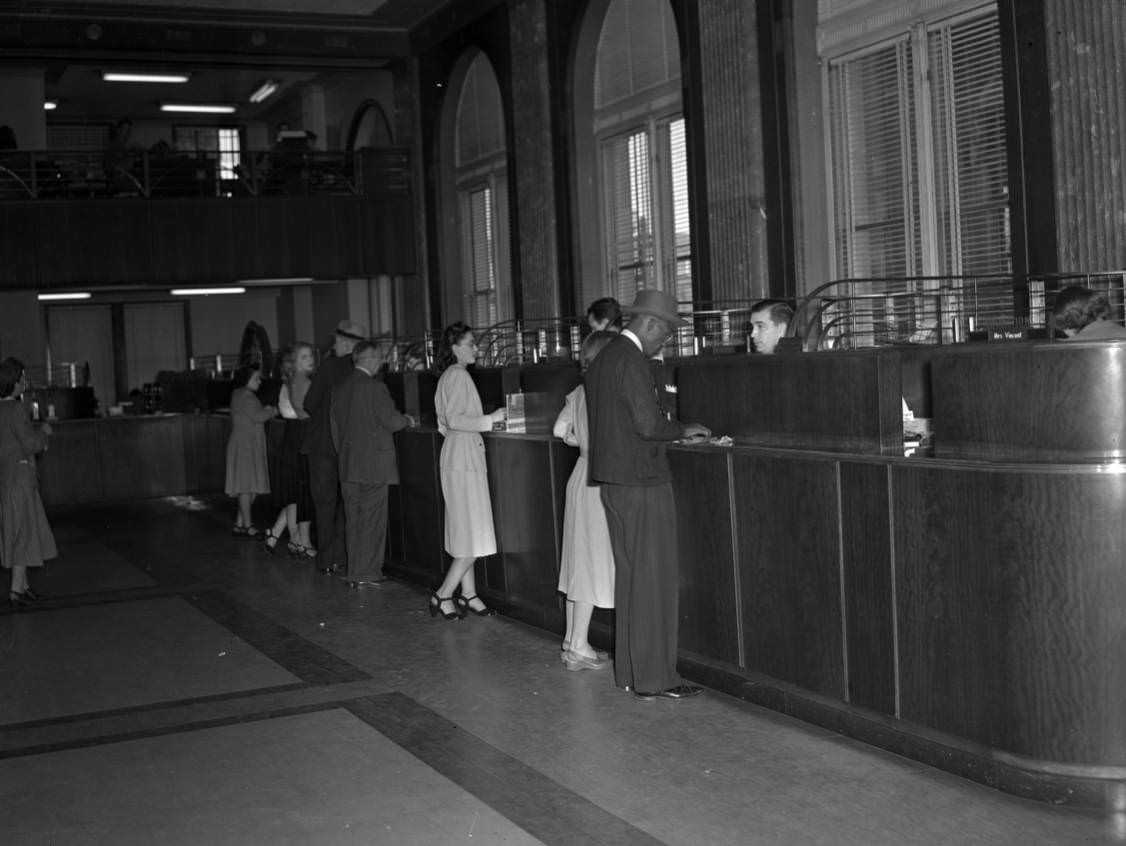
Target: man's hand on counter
{"x": 695, "y": 432}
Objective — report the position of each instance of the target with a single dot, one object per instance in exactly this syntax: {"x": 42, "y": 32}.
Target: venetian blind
{"x": 629, "y": 199}
{"x": 917, "y": 153}
{"x": 481, "y": 242}
{"x": 678, "y": 209}
{"x": 874, "y": 164}
{"x": 969, "y": 140}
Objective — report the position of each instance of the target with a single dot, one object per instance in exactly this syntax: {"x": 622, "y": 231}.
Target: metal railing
{"x": 75, "y": 174}
{"x": 856, "y": 313}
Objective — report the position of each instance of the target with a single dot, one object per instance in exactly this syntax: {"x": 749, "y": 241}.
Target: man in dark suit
{"x": 363, "y": 420}
{"x": 324, "y": 477}
{"x": 628, "y": 437}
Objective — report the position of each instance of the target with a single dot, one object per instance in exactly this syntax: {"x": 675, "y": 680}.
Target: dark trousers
{"x": 642, "y": 523}
{"x": 328, "y": 511}
{"x": 365, "y": 528}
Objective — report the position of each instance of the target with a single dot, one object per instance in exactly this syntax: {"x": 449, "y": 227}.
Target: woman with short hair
{"x": 248, "y": 473}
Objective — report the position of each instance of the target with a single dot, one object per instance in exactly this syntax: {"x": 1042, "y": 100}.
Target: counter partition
{"x": 959, "y": 610}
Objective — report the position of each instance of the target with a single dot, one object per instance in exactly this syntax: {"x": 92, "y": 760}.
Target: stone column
{"x": 532, "y": 210}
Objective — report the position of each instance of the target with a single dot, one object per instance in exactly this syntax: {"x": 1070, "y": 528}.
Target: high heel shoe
{"x": 436, "y": 607}
{"x": 463, "y": 603}
{"x": 271, "y": 541}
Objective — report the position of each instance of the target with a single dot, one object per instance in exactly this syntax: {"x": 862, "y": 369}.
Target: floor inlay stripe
{"x": 539, "y": 805}
{"x": 301, "y": 657}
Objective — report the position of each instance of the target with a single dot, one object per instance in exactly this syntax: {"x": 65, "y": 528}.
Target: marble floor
{"x": 182, "y": 686}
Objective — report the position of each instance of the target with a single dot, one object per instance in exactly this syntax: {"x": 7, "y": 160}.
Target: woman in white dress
{"x": 469, "y": 530}
{"x": 586, "y": 572}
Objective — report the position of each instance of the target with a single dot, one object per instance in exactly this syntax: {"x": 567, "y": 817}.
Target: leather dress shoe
{"x": 681, "y": 691}
{"x": 360, "y": 584}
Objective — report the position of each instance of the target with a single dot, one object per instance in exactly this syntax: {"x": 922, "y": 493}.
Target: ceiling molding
{"x": 79, "y": 32}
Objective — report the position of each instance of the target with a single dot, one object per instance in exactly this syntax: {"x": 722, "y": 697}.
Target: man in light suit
{"x": 628, "y": 437}
{"x": 324, "y": 478}
{"x": 363, "y": 419}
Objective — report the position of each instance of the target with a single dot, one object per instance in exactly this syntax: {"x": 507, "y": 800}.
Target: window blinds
{"x": 917, "y": 153}
{"x": 647, "y": 209}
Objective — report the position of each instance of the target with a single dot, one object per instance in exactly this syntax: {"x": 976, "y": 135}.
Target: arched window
{"x": 370, "y": 127}
{"x": 639, "y": 155}
{"x": 481, "y": 178}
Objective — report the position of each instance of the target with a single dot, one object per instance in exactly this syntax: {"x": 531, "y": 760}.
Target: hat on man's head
{"x": 355, "y": 331}
{"x": 658, "y": 304}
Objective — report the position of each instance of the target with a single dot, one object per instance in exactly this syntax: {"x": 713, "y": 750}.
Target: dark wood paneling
{"x": 708, "y": 609}
{"x": 21, "y": 226}
{"x": 1030, "y": 402}
{"x": 70, "y": 469}
{"x": 90, "y": 242}
{"x": 524, "y": 513}
{"x": 420, "y": 493}
{"x": 1009, "y": 607}
{"x": 789, "y": 561}
{"x": 192, "y": 240}
{"x": 868, "y": 587}
{"x": 143, "y": 457}
{"x": 205, "y": 452}
{"x": 848, "y": 401}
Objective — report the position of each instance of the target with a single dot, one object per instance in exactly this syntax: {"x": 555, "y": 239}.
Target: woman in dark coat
{"x": 25, "y": 536}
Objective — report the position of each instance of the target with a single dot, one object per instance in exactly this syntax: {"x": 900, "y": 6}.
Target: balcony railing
{"x": 74, "y": 174}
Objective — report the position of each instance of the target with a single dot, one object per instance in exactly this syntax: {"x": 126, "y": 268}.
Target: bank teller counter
{"x": 959, "y": 606}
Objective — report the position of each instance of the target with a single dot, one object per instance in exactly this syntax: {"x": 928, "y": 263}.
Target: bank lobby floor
{"x": 182, "y": 686}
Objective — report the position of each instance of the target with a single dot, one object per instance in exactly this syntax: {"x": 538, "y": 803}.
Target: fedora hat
{"x": 658, "y": 304}
{"x": 355, "y": 331}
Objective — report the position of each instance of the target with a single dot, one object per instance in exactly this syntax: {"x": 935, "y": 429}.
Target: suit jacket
{"x": 362, "y": 421}
{"x": 318, "y": 401}
{"x": 628, "y": 432}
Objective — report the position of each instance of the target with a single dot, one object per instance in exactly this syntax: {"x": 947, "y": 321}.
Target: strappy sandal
{"x": 436, "y": 607}
{"x": 271, "y": 541}
{"x": 463, "y": 602}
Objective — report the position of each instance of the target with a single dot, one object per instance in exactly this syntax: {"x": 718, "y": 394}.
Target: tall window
{"x": 917, "y": 152}
{"x": 643, "y": 160}
{"x": 481, "y": 179}
{"x": 649, "y": 242}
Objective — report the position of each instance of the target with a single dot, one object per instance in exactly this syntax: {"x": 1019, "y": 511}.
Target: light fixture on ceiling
{"x": 73, "y": 295}
{"x": 263, "y": 91}
{"x": 50, "y": 105}
{"x": 278, "y": 281}
{"x": 198, "y": 108}
{"x": 204, "y": 292}
{"x": 117, "y": 76}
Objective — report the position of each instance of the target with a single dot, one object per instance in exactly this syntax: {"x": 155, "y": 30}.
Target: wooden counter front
{"x": 963, "y": 613}
{"x": 117, "y": 459}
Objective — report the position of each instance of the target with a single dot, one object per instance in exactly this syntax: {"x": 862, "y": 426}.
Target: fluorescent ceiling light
{"x": 289, "y": 280}
{"x": 50, "y": 105}
{"x": 76, "y": 295}
{"x": 263, "y": 91}
{"x": 201, "y": 292}
{"x": 114, "y": 76}
{"x": 197, "y": 108}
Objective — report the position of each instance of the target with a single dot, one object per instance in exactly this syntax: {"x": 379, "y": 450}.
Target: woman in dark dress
{"x": 25, "y": 536}
{"x": 247, "y": 471}
{"x": 291, "y": 483}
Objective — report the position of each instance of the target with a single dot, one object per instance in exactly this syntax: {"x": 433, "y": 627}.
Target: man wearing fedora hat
{"x": 628, "y": 438}
{"x": 324, "y": 473}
